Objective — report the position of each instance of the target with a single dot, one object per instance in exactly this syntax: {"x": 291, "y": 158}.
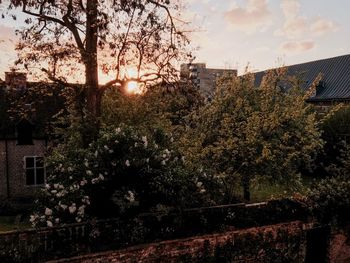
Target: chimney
{"x": 16, "y": 80}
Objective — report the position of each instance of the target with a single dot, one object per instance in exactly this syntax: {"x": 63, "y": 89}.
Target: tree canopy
{"x": 134, "y": 40}
{"x": 249, "y": 133}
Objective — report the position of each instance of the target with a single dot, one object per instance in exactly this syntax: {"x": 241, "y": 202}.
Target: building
{"x": 23, "y": 140}
{"x": 22, "y": 170}
{"x": 335, "y": 84}
{"x": 204, "y": 78}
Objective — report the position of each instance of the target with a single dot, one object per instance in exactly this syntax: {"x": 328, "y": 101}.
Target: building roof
{"x": 335, "y": 80}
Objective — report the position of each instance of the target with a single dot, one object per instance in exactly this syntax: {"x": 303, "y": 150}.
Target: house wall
{"x": 16, "y": 171}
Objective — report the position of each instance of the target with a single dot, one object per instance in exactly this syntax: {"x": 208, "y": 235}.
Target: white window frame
{"x": 34, "y": 168}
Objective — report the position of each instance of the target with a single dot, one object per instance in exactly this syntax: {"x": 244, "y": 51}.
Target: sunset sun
{"x": 134, "y": 87}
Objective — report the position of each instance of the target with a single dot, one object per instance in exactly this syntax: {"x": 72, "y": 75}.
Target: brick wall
{"x": 16, "y": 172}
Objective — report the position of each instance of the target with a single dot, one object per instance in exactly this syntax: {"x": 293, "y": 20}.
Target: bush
{"x": 335, "y": 133}
{"x": 330, "y": 199}
{"x": 123, "y": 172}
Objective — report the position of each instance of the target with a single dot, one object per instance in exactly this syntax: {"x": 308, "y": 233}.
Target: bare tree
{"x": 87, "y": 37}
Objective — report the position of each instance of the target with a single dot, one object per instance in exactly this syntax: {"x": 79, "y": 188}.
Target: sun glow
{"x": 134, "y": 87}
{"x": 131, "y": 87}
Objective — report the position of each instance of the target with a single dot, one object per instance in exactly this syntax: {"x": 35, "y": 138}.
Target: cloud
{"x": 322, "y": 26}
{"x": 297, "y": 26}
{"x": 297, "y": 46}
{"x": 254, "y": 16}
{"x": 290, "y": 8}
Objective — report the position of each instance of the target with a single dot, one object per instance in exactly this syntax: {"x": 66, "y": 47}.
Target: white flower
{"x": 89, "y": 172}
{"x": 106, "y": 147}
{"x": 85, "y": 200}
{"x": 113, "y": 163}
{"x": 70, "y": 169}
{"x": 147, "y": 160}
{"x": 171, "y": 139}
{"x": 96, "y": 153}
{"x": 70, "y": 177}
{"x": 57, "y": 220}
{"x": 83, "y": 182}
{"x": 111, "y": 151}
{"x": 53, "y": 191}
{"x": 64, "y": 207}
{"x": 47, "y": 186}
{"x": 55, "y": 186}
{"x": 81, "y": 210}
{"x": 72, "y": 208}
{"x": 199, "y": 184}
{"x": 202, "y": 191}
{"x": 86, "y": 163}
{"x": 130, "y": 197}
{"x": 118, "y": 130}
{"x": 49, "y": 223}
{"x": 78, "y": 219}
{"x": 163, "y": 162}
{"x": 145, "y": 142}
{"x": 33, "y": 218}
{"x": 101, "y": 177}
{"x": 94, "y": 180}
{"x": 127, "y": 163}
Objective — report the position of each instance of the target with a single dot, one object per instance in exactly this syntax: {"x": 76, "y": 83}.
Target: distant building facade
{"x": 22, "y": 170}
{"x": 204, "y": 78}
{"x": 23, "y": 142}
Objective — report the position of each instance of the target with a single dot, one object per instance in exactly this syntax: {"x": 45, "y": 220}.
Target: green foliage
{"x": 335, "y": 133}
{"x": 330, "y": 197}
{"x": 158, "y": 108}
{"x": 336, "y": 128}
{"x": 122, "y": 171}
{"x": 248, "y": 133}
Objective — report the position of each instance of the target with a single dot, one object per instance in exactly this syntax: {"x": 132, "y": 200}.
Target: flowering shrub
{"x": 122, "y": 172}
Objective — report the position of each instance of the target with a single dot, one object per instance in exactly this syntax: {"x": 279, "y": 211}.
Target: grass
{"x": 261, "y": 192}
{"x": 9, "y": 223}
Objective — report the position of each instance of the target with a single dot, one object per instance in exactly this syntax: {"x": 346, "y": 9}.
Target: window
{"x": 34, "y": 170}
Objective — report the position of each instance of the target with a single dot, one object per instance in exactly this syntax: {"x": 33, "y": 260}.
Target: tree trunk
{"x": 93, "y": 94}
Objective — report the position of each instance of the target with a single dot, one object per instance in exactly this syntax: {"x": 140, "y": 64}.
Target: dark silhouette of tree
{"x": 84, "y": 37}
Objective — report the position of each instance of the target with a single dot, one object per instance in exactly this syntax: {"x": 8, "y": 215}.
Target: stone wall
{"x": 277, "y": 243}
{"x": 83, "y": 238}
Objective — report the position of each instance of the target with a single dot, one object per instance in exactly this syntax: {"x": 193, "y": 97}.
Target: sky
{"x": 269, "y": 33}
{"x": 260, "y": 33}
